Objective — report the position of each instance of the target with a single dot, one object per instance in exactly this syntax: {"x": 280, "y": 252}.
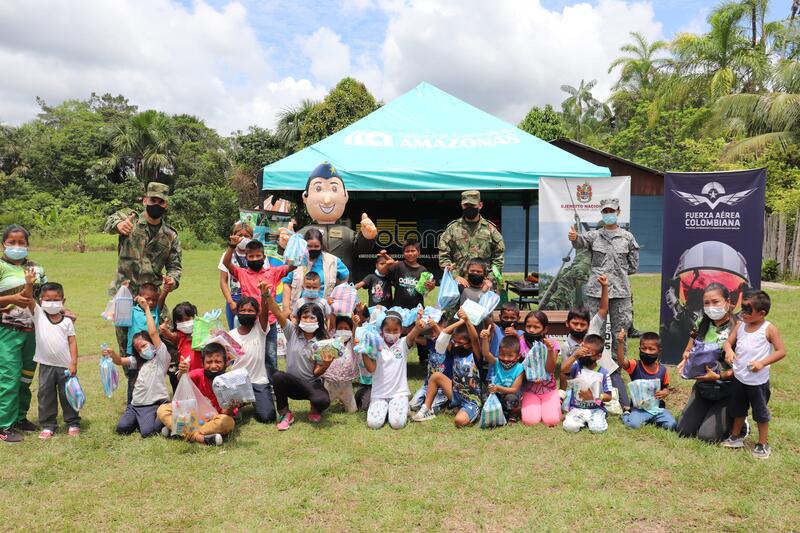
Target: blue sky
{"x": 237, "y": 63}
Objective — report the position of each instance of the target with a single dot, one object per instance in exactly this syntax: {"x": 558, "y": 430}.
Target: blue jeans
{"x": 639, "y": 417}
{"x": 271, "y": 356}
{"x": 440, "y": 401}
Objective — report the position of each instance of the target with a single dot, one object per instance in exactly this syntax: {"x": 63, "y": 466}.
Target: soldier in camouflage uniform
{"x": 615, "y": 254}
{"x": 147, "y": 248}
{"x": 470, "y": 236}
{"x": 572, "y": 279}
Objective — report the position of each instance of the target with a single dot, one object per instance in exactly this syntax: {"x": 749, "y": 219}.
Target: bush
{"x": 769, "y": 270}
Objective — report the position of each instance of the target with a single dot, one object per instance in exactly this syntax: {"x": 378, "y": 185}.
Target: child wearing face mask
{"x": 507, "y": 373}
{"x": 213, "y": 358}
{"x": 56, "y": 352}
{"x": 338, "y": 379}
{"x": 580, "y": 324}
{"x": 378, "y": 284}
{"x": 540, "y": 399}
{"x": 584, "y": 409}
{"x": 252, "y": 337}
{"x": 476, "y": 275}
{"x": 312, "y": 294}
{"x": 647, "y": 367}
{"x": 465, "y": 389}
{"x": 151, "y": 360}
{"x": 155, "y": 300}
{"x": 302, "y": 379}
{"x": 179, "y": 334}
{"x": 389, "y": 399}
{"x": 229, "y": 285}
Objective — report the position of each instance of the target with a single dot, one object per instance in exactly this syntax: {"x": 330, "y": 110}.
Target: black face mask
{"x": 470, "y": 212}
{"x": 211, "y": 374}
{"x": 578, "y": 335}
{"x": 460, "y": 351}
{"x": 475, "y": 279}
{"x": 155, "y": 211}
{"x": 586, "y": 360}
{"x": 647, "y": 358}
{"x": 505, "y": 324}
{"x": 533, "y": 337}
{"x": 255, "y": 266}
{"x": 247, "y": 321}
{"x": 313, "y": 254}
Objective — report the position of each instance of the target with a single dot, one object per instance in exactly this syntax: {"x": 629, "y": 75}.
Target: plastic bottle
{"x": 123, "y": 308}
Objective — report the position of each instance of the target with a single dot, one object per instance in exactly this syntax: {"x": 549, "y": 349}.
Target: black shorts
{"x": 745, "y": 396}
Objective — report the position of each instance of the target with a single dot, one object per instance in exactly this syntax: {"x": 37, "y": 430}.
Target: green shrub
{"x": 769, "y": 270}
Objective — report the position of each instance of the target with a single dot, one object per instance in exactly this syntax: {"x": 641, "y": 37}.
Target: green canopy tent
{"x": 429, "y": 141}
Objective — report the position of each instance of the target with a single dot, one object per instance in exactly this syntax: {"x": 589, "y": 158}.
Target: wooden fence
{"x": 782, "y": 243}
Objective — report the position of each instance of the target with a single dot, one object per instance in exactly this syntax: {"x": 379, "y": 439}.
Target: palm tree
{"x": 290, "y": 119}
{"x": 145, "y": 145}
{"x": 580, "y": 104}
{"x": 640, "y": 67}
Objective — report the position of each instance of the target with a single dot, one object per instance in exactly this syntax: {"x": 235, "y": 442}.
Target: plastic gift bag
{"x": 75, "y": 395}
{"x": 344, "y": 368}
{"x": 120, "y": 308}
{"x": 586, "y": 380}
{"x": 233, "y": 385}
{"x": 408, "y": 316}
{"x": 702, "y": 355}
{"x": 203, "y": 326}
{"x": 432, "y": 313}
{"x": 296, "y": 252}
{"x": 535, "y": 361}
{"x": 108, "y": 376}
{"x": 220, "y": 336}
{"x": 345, "y": 297}
{"x": 190, "y": 408}
{"x": 423, "y": 278}
{"x": 326, "y": 350}
{"x": 474, "y": 311}
{"x": 643, "y": 395}
{"x": 489, "y": 301}
{"x": 370, "y": 342}
{"x": 492, "y": 413}
{"x": 448, "y": 291}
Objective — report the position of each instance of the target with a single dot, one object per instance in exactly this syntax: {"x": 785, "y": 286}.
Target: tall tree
{"x": 579, "y": 105}
{"x": 145, "y": 145}
{"x": 346, "y": 103}
{"x": 290, "y": 122}
{"x": 544, "y": 123}
{"x": 640, "y": 66}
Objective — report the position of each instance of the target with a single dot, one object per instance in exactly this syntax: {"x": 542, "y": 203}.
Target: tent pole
{"x": 527, "y": 206}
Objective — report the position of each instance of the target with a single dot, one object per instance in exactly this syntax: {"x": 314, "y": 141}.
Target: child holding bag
{"x": 150, "y": 359}
{"x": 338, "y": 379}
{"x": 506, "y": 371}
{"x": 540, "y": 399}
{"x": 586, "y": 409}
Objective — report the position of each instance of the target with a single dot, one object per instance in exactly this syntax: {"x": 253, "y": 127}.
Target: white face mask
{"x": 243, "y": 244}
{"x": 53, "y": 307}
{"x": 391, "y": 338}
{"x": 715, "y": 313}
{"x": 345, "y": 334}
{"x": 185, "y": 327}
{"x": 309, "y": 327}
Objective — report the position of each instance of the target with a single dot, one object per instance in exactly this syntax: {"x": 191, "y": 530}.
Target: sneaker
{"x": 27, "y": 425}
{"x": 762, "y": 451}
{"x": 10, "y": 436}
{"x": 285, "y": 421}
{"x": 423, "y": 414}
{"x": 74, "y": 431}
{"x": 732, "y": 442}
{"x": 213, "y": 440}
{"x": 314, "y": 417}
{"x": 46, "y": 434}
{"x": 166, "y": 432}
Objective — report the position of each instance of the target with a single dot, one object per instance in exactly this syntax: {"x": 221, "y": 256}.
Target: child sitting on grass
{"x": 150, "y": 359}
{"x": 338, "y": 379}
{"x": 389, "y": 398}
{"x": 758, "y": 346}
{"x": 507, "y": 373}
{"x": 437, "y": 362}
{"x": 155, "y": 300}
{"x": 584, "y": 409}
{"x": 214, "y": 359}
{"x": 647, "y": 367}
{"x": 56, "y": 353}
{"x": 464, "y": 390}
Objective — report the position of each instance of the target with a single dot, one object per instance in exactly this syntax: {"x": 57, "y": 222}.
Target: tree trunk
{"x": 753, "y": 18}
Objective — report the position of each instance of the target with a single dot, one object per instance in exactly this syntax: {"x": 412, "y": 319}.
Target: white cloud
{"x": 505, "y": 56}
{"x": 330, "y": 58}
{"x": 199, "y": 60}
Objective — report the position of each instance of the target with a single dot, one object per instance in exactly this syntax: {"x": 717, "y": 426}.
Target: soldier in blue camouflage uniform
{"x": 471, "y": 236}
{"x": 615, "y": 254}
{"x": 149, "y": 251}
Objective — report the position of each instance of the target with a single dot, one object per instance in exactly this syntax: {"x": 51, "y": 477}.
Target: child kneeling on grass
{"x": 507, "y": 373}
{"x": 150, "y": 359}
{"x": 214, "y": 359}
{"x": 338, "y": 379}
{"x": 585, "y": 410}
{"x": 758, "y": 346}
{"x": 465, "y": 391}
{"x": 389, "y": 398}
{"x": 647, "y": 367}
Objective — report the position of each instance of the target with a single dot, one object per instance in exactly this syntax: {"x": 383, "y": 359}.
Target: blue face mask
{"x": 15, "y": 253}
{"x": 310, "y": 295}
{"x": 148, "y": 352}
{"x": 609, "y": 219}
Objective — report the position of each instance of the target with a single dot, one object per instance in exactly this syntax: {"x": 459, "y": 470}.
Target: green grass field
{"x": 342, "y": 476}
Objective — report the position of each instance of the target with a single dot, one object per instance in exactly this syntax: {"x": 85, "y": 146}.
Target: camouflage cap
{"x": 157, "y": 190}
{"x": 609, "y": 203}
{"x": 471, "y": 197}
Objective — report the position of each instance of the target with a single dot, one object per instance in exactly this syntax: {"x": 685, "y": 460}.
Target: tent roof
{"x": 428, "y": 140}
